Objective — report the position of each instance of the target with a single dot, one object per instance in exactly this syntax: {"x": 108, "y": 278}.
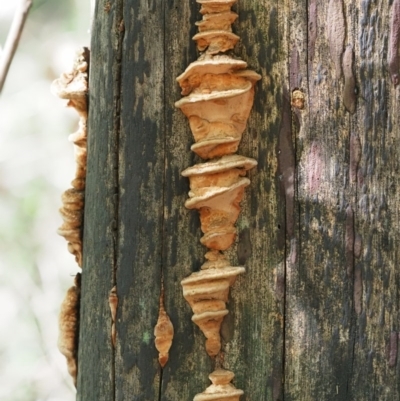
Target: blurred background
{"x": 36, "y": 166}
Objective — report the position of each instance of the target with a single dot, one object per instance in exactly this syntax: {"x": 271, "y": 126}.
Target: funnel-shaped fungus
{"x": 221, "y": 388}
{"x": 207, "y": 293}
{"x": 218, "y": 94}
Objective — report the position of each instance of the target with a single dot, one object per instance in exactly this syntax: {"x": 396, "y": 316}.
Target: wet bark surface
{"x": 316, "y": 315}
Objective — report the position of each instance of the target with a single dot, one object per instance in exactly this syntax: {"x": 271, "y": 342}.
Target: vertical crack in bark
{"x": 283, "y": 150}
{"x": 287, "y": 170}
{"x": 160, "y": 386}
{"x": 394, "y": 57}
{"x": 350, "y": 260}
{"x": 119, "y": 32}
{"x": 293, "y": 238}
{"x": 163, "y": 253}
{"x": 393, "y": 346}
{"x": 113, "y": 303}
{"x": 349, "y": 90}
{"x": 355, "y": 157}
{"x": 351, "y": 243}
{"x": 311, "y": 37}
{"x": 353, "y": 250}
{"x": 286, "y": 162}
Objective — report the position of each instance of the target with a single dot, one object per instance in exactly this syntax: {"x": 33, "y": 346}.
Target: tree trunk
{"x": 316, "y": 315}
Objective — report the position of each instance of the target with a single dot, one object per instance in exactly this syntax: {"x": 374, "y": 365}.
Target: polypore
{"x": 218, "y": 96}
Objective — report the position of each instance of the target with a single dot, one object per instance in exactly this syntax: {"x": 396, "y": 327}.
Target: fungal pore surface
{"x": 218, "y": 92}
{"x": 73, "y": 86}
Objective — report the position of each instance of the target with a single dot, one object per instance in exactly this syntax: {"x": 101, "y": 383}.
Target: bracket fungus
{"x": 216, "y": 189}
{"x": 113, "y": 303}
{"x": 207, "y": 293}
{"x": 163, "y": 332}
{"x": 221, "y": 388}
{"x": 68, "y": 322}
{"x": 218, "y": 94}
{"x": 73, "y": 86}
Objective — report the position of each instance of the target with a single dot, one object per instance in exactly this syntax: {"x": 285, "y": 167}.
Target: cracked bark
{"x": 316, "y": 314}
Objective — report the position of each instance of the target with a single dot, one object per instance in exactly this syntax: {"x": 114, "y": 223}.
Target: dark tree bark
{"x": 316, "y": 316}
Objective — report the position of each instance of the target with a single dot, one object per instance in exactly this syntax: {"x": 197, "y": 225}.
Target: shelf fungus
{"x": 221, "y": 388}
{"x": 73, "y": 86}
{"x": 218, "y": 94}
{"x": 164, "y": 333}
{"x": 68, "y": 322}
{"x": 207, "y": 293}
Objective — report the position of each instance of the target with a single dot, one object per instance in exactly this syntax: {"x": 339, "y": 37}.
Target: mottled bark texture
{"x": 342, "y": 283}
{"x": 316, "y": 315}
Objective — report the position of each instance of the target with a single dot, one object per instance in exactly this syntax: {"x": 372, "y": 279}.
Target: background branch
{"x": 13, "y": 38}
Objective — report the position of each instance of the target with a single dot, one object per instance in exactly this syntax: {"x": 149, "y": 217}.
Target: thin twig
{"x": 13, "y": 38}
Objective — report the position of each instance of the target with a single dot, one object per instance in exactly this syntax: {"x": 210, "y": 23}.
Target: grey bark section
{"x": 376, "y": 371}
{"x": 140, "y": 209}
{"x": 319, "y": 296}
{"x": 255, "y": 349}
{"x": 96, "y": 357}
{"x": 342, "y": 330}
